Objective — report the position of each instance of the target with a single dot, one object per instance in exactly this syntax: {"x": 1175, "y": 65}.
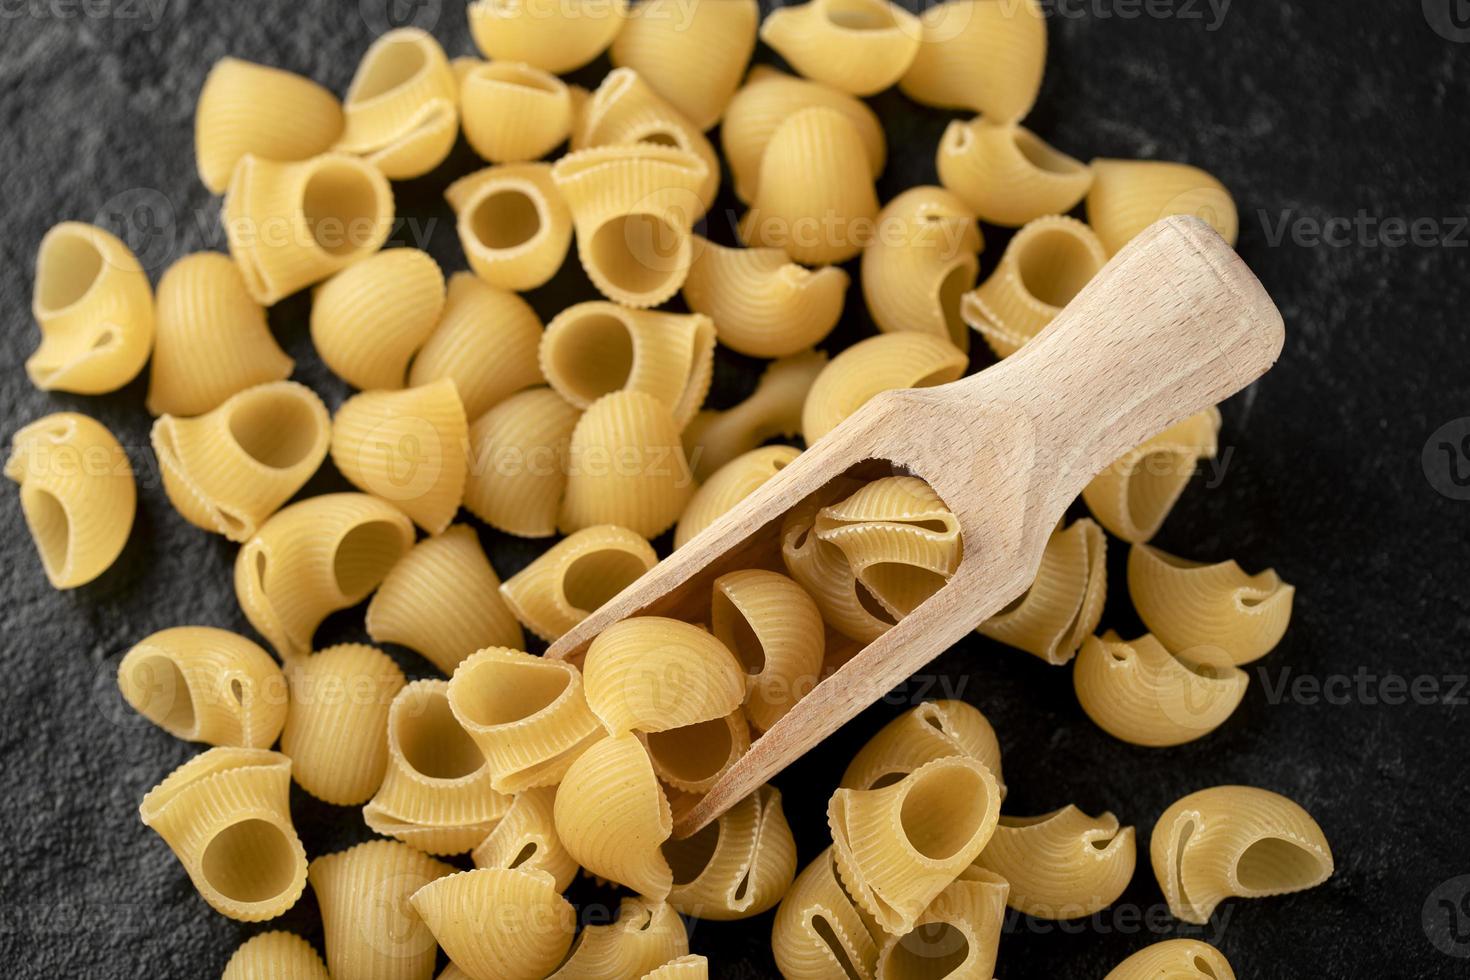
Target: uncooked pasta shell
{"x": 1063, "y": 604}
{"x": 644, "y": 936}
{"x": 527, "y": 714}
{"x": 653, "y": 674}
{"x": 592, "y": 349}
{"x": 1063, "y": 864}
{"x": 773, "y": 410}
{"x": 1133, "y": 496}
{"x": 1044, "y": 267}
{"x": 313, "y": 558}
{"x": 266, "y": 112}
{"x": 612, "y": 816}
{"x": 959, "y": 933}
{"x": 693, "y": 54}
{"x": 226, "y": 815}
{"x": 557, "y": 35}
{"x": 513, "y": 224}
{"x": 368, "y": 321}
{"x": 1174, "y": 959}
{"x": 775, "y": 630}
{"x": 94, "y": 307}
{"x": 514, "y": 112}
{"x": 206, "y": 685}
{"x": 819, "y": 934}
{"x": 76, "y": 492}
{"x": 983, "y": 55}
{"x": 858, "y": 46}
{"x": 1235, "y": 841}
{"x": 1191, "y": 606}
{"x": 210, "y": 340}
{"x": 906, "y": 359}
{"x": 690, "y": 967}
{"x": 443, "y": 600}
{"x": 293, "y": 224}
{"x": 400, "y": 110}
{"x": 518, "y": 462}
{"x": 407, "y": 447}
{"x": 525, "y": 838}
{"x": 575, "y": 576}
{"x": 1007, "y": 174}
{"x": 823, "y": 571}
{"x": 816, "y": 198}
{"x": 692, "y": 759}
{"x": 738, "y": 866}
{"x": 1129, "y": 195}
{"x": 933, "y": 730}
{"x": 626, "y": 466}
{"x": 230, "y": 469}
{"x": 729, "y": 485}
{"x": 498, "y": 924}
{"x": 275, "y": 956}
{"x": 770, "y": 97}
{"x": 923, "y": 258}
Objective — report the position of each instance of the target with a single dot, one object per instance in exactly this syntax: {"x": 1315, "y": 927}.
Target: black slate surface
{"x": 1316, "y": 115}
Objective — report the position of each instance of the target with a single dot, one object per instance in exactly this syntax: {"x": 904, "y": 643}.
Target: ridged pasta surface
{"x": 368, "y": 321}
{"x": 263, "y": 111}
{"x": 401, "y": 109}
{"x": 729, "y": 485}
{"x": 1129, "y": 195}
{"x": 275, "y": 956}
{"x": 652, "y": 674}
{"x": 932, "y": 730}
{"x": 738, "y": 866}
{"x": 819, "y": 933}
{"x": 1007, "y": 174}
{"x": 776, "y": 632}
{"x": 513, "y": 224}
{"x": 518, "y": 462}
{"x": 773, "y": 410}
{"x": 575, "y": 576}
{"x": 857, "y": 46}
{"x": 644, "y": 936}
{"x": 957, "y": 937}
{"x": 692, "y": 54}
{"x": 525, "y": 838}
{"x": 822, "y": 569}
{"x": 1062, "y": 606}
{"x": 1133, "y": 496}
{"x": 514, "y": 112}
{"x": 906, "y": 359}
{"x": 980, "y": 55}
{"x": 498, "y": 924}
{"x": 1174, "y": 959}
{"x": 557, "y": 35}
{"x": 1063, "y": 864}
{"x": 693, "y": 758}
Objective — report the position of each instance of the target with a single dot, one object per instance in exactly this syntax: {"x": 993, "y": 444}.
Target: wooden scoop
{"x": 1173, "y": 324}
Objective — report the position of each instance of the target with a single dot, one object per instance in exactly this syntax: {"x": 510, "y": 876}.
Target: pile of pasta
{"x": 491, "y": 782}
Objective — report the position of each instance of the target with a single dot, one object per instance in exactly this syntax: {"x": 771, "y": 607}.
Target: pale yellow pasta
{"x": 293, "y": 224}
{"x": 592, "y": 349}
{"x": 924, "y": 257}
{"x": 819, "y": 933}
{"x": 1062, "y": 606}
{"x": 485, "y": 342}
{"x": 775, "y": 630}
{"x": 1007, "y": 174}
{"x": 626, "y": 466}
{"x": 210, "y": 338}
{"x": 823, "y": 571}
{"x": 401, "y": 109}
{"x": 499, "y": 924}
{"x": 407, "y": 447}
{"x": 1045, "y": 265}
{"x": 557, "y": 35}
{"x": 1235, "y": 842}
{"x": 693, "y": 758}
{"x": 932, "y": 730}
{"x": 729, "y": 485}
{"x": 337, "y": 723}
{"x": 652, "y": 674}
{"x": 525, "y": 838}
{"x": 269, "y": 113}
{"x": 1174, "y": 959}
{"x": 275, "y": 956}
{"x": 984, "y": 55}
{"x": 1138, "y": 691}
{"x": 644, "y": 936}
{"x": 231, "y": 468}
{"x": 371, "y": 929}
{"x": 517, "y": 462}
{"x": 1195, "y": 608}
{"x": 1129, "y": 195}
{"x": 770, "y": 97}
{"x": 435, "y": 793}
{"x": 313, "y": 558}
{"x": 858, "y": 46}
{"x": 513, "y": 224}
{"x": 575, "y": 576}
{"x": 897, "y": 847}
{"x": 226, "y": 815}
{"x": 715, "y": 437}
{"x": 77, "y": 495}
{"x": 906, "y": 359}
{"x": 612, "y": 816}
{"x": 514, "y": 112}
{"x": 898, "y": 537}
{"x": 688, "y": 967}
{"x": 816, "y": 199}
{"x": 443, "y": 600}
{"x": 692, "y": 53}
{"x": 957, "y": 937}
{"x": 626, "y": 109}
{"x": 1063, "y": 864}
{"x": 94, "y": 307}
{"x": 206, "y": 685}
{"x": 738, "y": 866}
{"x": 527, "y": 714}
{"x": 368, "y": 321}
{"x": 1135, "y": 493}
{"x": 633, "y": 206}
{"x": 762, "y": 303}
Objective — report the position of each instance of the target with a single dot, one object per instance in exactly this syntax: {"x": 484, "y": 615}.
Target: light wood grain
{"x": 1173, "y": 324}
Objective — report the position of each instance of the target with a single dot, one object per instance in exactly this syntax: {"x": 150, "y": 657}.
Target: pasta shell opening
{"x": 250, "y": 862}
{"x": 694, "y": 754}
{"x": 862, "y": 15}
{"x": 1055, "y": 265}
{"x": 431, "y": 739}
{"x": 640, "y": 253}
{"x": 344, "y": 208}
{"x": 363, "y": 557}
{"x": 594, "y": 578}
{"x": 518, "y": 691}
{"x": 836, "y": 948}
{"x": 594, "y": 355}
{"x": 688, "y": 857}
{"x": 394, "y": 63}
{"x": 932, "y": 950}
{"x": 943, "y": 809}
{"x": 50, "y": 529}
{"x": 69, "y": 265}
{"x": 279, "y": 428}
{"x": 170, "y": 705}
{"x": 1275, "y": 866}
{"x": 507, "y": 218}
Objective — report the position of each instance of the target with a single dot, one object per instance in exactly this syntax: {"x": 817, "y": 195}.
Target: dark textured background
{"x": 1308, "y": 111}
